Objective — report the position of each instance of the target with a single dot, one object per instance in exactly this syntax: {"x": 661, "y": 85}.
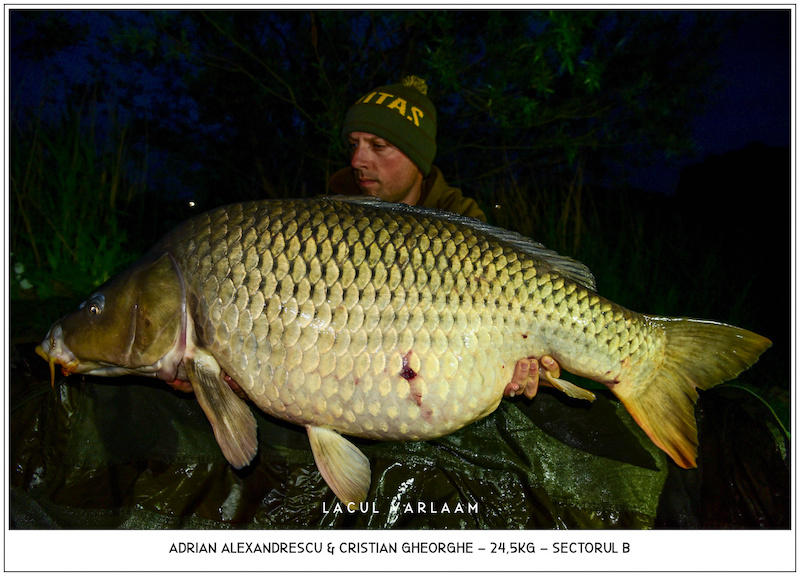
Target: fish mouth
{"x": 67, "y": 368}
{"x": 54, "y": 351}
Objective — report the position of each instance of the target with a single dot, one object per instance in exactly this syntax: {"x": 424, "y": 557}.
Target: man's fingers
{"x": 532, "y": 384}
{"x": 550, "y": 365}
{"x": 526, "y": 375}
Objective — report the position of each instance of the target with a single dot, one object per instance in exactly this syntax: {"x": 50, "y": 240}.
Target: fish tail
{"x": 698, "y": 355}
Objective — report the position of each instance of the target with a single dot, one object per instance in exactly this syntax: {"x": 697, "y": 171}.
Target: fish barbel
{"x": 383, "y": 321}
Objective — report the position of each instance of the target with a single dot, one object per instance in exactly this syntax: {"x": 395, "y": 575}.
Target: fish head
{"x": 133, "y": 324}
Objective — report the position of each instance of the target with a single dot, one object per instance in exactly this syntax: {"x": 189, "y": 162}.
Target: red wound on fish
{"x": 406, "y": 371}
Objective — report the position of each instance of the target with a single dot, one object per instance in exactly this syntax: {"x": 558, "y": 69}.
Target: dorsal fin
{"x": 564, "y": 265}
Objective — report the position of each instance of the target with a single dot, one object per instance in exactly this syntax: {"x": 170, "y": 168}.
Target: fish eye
{"x": 95, "y": 304}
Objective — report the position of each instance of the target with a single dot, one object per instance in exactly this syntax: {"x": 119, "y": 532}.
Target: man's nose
{"x": 360, "y": 157}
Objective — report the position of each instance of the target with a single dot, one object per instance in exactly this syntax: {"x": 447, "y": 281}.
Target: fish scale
{"x": 373, "y": 283}
{"x": 357, "y": 317}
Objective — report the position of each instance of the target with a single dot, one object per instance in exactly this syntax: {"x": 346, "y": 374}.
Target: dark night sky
{"x": 754, "y": 104}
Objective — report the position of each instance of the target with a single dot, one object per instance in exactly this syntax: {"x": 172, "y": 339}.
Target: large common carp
{"x": 381, "y": 321}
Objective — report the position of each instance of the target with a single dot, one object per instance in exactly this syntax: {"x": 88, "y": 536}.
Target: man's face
{"x": 382, "y": 170}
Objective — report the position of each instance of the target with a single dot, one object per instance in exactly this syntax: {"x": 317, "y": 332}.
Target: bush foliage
{"x": 220, "y": 106}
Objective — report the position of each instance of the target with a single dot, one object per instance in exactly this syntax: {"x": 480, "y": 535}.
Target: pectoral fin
{"x": 569, "y": 388}
{"x": 233, "y": 423}
{"x": 343, "y": 466}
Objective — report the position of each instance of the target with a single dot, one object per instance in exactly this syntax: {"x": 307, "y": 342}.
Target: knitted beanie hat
{"x": 403, "y": 115}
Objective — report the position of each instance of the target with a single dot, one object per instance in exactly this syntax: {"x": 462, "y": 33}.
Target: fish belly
{"x": 402, "y": 394}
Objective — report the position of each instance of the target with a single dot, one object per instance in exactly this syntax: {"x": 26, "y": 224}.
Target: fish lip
{"x": 54, "y": 351}
{"x": 72, "y": 365}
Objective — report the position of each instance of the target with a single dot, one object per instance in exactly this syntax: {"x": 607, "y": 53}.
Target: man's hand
{"x": 526, "y": 376}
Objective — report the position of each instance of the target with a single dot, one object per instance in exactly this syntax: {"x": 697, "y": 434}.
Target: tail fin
{"x": 698, "y": 354}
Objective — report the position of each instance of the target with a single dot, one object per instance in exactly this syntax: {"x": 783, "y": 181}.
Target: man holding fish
{"x": 356, "y": 317}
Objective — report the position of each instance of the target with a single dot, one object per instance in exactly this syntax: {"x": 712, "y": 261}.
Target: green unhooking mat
{"x": 132, "y": 453}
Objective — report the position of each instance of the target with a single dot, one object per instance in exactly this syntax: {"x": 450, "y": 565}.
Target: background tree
{"x": 250, "y": 103}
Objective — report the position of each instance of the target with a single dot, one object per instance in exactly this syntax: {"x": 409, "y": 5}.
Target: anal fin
{"x": 233, "y": 423}
{"x": 343, "y": 466}
{"x": 569, "y": 388}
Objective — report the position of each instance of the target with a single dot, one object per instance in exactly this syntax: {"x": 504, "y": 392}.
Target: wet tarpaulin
{"x": 132, "y": 453}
